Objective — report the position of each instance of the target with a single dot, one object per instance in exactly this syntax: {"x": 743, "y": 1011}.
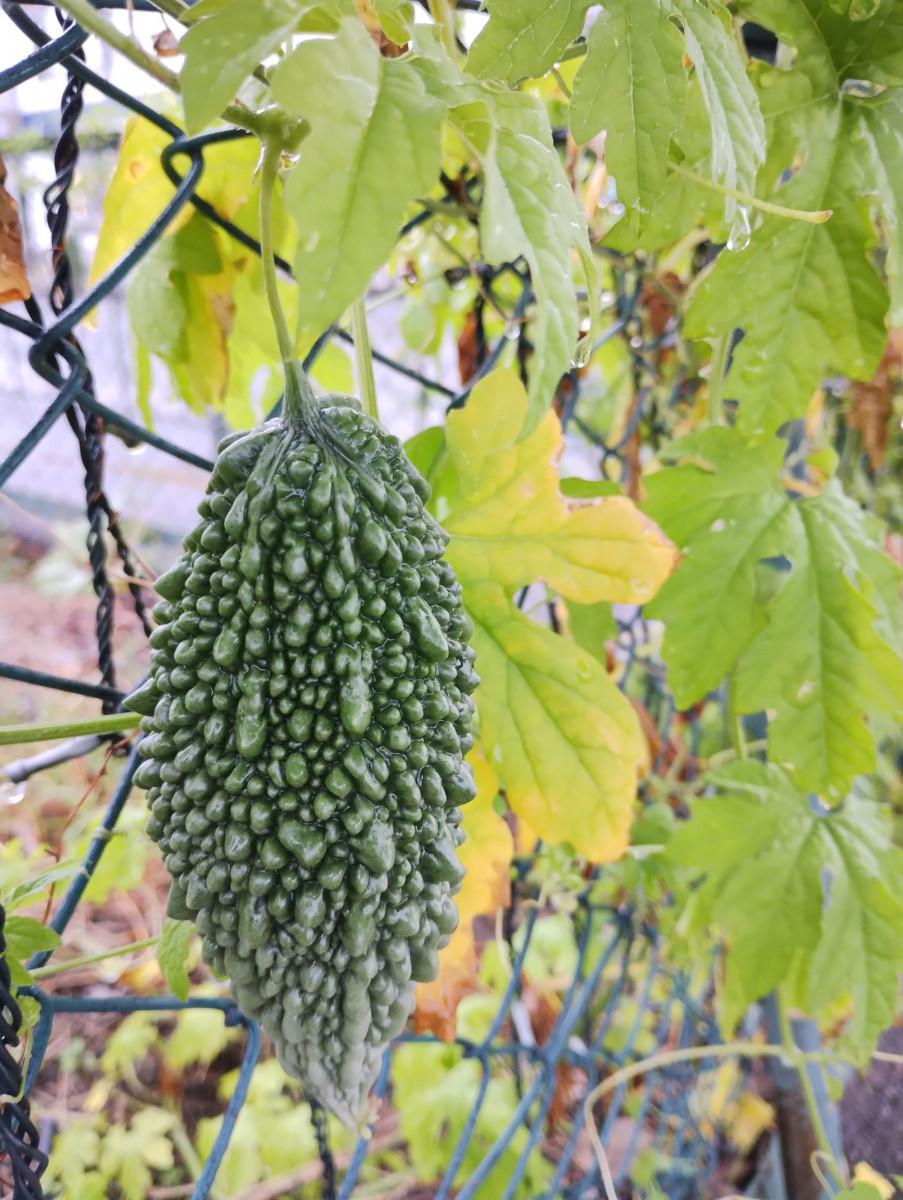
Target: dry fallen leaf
{"x": 871, "y": 404}
{"x": 14, "y": 283}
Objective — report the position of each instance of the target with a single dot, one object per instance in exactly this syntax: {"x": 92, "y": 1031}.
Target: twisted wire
{"x": 85, "y": 423}
{"x": 19, "y": 1138}
{"x": 321, "y": 1132}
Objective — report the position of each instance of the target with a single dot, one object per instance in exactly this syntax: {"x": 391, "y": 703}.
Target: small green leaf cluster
{"x": 307, "y": 711}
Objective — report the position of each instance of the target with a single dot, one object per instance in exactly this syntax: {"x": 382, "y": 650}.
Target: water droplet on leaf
{"x": 740, "y": 233}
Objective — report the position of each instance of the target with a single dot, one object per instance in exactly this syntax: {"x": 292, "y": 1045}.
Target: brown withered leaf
{"x": 871, "y": 404}
{"x": 166, "y": 44}
{"x": 14, "y": 283}
{"x": 469, "y": 348}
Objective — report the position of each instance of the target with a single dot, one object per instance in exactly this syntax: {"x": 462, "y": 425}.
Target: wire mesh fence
{"x": 622, "y": 1004}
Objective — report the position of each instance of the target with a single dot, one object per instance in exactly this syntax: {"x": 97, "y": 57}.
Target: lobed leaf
{"x": 564, "y": 740}
{"x": 632, "y": 84}
{"x": 737, "y": 129}
{"x": 525, "y": 38}
{"x": 373, "y": 147}
{"x": 811, "y": 638}
{"x": 809, "y": 898}
{"x": 510, "y": 522}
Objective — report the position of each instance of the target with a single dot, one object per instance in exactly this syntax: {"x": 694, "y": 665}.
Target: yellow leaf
{"x": 138, "y": 192}
{"x": 565, "y": 741}
{"x": 866, "y": 1174}
{"x": 486, "y": 854}
{"x": 140, "y": 189}
{"x": 510, "y": 522}
{"x": 486, "y": 857}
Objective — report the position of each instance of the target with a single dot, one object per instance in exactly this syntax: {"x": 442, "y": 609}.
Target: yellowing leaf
{"x": 866, "y": 1174}
{"x": 486, "y": 854}
{"x": 486, "y": 857}
{"x": 138, "y": 193}
{"x": 510, "y": 522}
{"x": 565, "y": 741}
{"x": 140, "y": 189}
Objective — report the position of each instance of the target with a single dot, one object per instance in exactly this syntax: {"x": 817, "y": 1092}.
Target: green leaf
{"x": 222, "y": 50}
{"x": 38, "y": 883}
{"x": 835, "y": 665}
{"x": 807, "y": 297}
{"x": 591, "y": 626}
{"x": 727, "y": 512}
{"x": 810, "y": 638}
{"x": 373, "y": 148}
{"x": 200, "y": 1035}
{"x": 26, "y": 936}
{"x": 396, "y": 18}
{"x": 803, "y": 894}
{"x": 273, "y": 1133}
{"x": 130, "y": 1155}
{"x": 529, "y": 209}
{"x": 172, "y": 955}
{"x": 632, "y": 84}
{"x": 525, "y": 38}
{"x": 436, "y": 1093}
{"x": 880, "y": 124}
{"x": 738, "y": 132}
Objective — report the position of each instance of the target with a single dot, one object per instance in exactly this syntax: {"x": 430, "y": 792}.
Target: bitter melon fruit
{"x": 306, "y": 715}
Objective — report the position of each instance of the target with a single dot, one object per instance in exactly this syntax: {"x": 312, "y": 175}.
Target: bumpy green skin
{"x": 307, "y": 712}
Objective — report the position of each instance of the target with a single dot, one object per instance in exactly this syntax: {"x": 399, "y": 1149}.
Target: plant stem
{"x": 84, "y": 12}
{"x": 444, "y": 16}
{"x": 363, "y": 358}
{"x": 72, "y": 963}
{"x": 778, "y": 210}
{"x": 272, "y": 157}
{"x": 720, "y": 350}
{"x": 299, "y": 402}
{"x": 14, "y": 735}
{"x": 562, "y": 82}
{"x": 815, "y": 1115}
{"x": 86, "y": 15}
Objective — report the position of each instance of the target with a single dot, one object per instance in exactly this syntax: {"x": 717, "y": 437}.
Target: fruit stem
{"x": 299, "y": 404}
{"x": 363, "y": 358}
{"x": 272, "y": 157}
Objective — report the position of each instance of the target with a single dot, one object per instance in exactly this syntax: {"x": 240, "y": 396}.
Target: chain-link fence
{"x": 619, "y": 979}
